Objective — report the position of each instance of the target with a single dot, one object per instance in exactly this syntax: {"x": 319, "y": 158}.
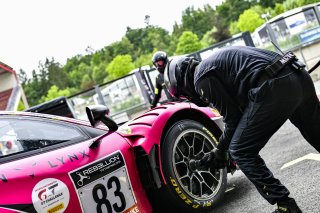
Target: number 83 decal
{"x": 100, "y": 194}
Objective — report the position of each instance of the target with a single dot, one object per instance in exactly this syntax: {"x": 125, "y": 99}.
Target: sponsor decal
{"x": 104, "y": 185}
{"x": 97, "y": 170}
{"x": 50, "y": 195}
{"x": 211, "y": 135}
{"x": 133, "y": 209}
{"x": 194, "y": 204}
{"x": 56, "y": 208}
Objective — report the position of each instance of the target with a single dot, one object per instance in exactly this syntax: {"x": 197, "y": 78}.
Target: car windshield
{"x": 22, "y": 135}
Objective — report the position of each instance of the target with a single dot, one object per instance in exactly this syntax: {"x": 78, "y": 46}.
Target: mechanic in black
{"x": 160, "y": 60}
{"x": 256, "y": 91}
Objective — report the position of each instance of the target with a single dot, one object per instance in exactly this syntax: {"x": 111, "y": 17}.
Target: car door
{"x": 35, "y": 158}
{"x": 52, "y": 169}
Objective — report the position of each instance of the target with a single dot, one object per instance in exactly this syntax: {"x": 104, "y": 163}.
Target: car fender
{"x": 146, "y": 130}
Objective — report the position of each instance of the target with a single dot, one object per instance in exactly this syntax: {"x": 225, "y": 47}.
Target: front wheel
{"x": 190, "y": 189}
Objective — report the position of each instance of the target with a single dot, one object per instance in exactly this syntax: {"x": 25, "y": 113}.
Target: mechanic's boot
{"x": 288, "y": 206}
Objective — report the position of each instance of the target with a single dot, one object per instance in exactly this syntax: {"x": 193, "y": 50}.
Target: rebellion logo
{"x": 101, "y": 165}
{"x": 82, "y": 177}
{"x": 95, "y": 170}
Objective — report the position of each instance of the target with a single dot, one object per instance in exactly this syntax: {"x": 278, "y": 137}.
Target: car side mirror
{"x": 99, "y": 113}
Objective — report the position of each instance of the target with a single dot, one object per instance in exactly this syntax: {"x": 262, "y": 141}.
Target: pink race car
{"x": 56, "y": 164}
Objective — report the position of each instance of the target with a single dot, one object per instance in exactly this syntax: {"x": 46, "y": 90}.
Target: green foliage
{"x": 56, "y": 74}
{"x": 50, "y": 73}
{"x": 122, "y": 47}
{"x": 305, "y": 2}
{"x": 23, "y": 78}
{"x": 145, "y": 40}
{"x": 230, "y": 10}
{"x": 87, "y": 82}
{"x": 188, "y": 43}
{"x": 99, "y": 73}
{"x": 249, "y": 21}
{"x": 55, "y": 92}
{"x": 233, "y": 28}
{"x": 144, "y": 60}
{"x": 198, "y": 21}
{"x": 290, "y": 4}
{"x": 208, "y": 38}
{"x": 269, "y": 3}
{"x": 120, "y": 66}
{"x": 21, "y": 106}
{"x": 278, "y": 9}
{"x": 126, "y": 104}
{"x": 77, "y": 74}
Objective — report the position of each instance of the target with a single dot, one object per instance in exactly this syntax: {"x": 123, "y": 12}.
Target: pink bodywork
{"x": 18, "y": 178}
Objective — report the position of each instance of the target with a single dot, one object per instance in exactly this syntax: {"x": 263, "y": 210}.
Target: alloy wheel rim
{"x": 202, "y": 183}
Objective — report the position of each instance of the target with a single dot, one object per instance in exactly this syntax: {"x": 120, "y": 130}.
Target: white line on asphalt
{"x": 310, "y": 156}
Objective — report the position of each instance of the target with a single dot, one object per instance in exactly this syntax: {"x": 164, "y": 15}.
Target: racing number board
{"x": 104, "y": 186}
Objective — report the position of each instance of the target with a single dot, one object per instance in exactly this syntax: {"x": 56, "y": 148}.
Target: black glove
{"x": 216, "y": 159}
{"x": 220, "y": 159}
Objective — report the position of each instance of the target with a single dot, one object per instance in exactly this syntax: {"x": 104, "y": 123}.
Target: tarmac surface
{"x": 317, "y": 86}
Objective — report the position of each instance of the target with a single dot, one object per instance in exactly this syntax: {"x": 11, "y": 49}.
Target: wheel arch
{"x": 192, "y": 114}
{"x": 149, "y": 148}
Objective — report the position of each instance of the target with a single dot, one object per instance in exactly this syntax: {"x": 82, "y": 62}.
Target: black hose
{"x": 314, "y": 67}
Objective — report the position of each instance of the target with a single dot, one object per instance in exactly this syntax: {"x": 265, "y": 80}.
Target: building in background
{"x": 297, "y": 30}
{"x": 11, "y": 91}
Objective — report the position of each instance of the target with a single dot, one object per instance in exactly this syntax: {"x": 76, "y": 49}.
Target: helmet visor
{"x": 159, "y": 63}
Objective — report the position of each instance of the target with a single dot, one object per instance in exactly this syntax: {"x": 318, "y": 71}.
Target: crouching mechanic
{"x": 256, "y": 91}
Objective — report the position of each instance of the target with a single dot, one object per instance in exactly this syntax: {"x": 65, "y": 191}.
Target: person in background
{"x": 160, "y": 60}
{"x": 10, "y": 148}
{"x": 256, "y": 91}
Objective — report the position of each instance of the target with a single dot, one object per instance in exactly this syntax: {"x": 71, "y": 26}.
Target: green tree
{"x": 87, "y": 82}
{"x": 23, "y": 78}
{"x": 305, "y": 2}
{"x": 55, "y": 92}
{"x": 56, "y": 75}
{"x": 230, "y": 10}
{"x": 188, "y": 43}
{"x": 33, "y": 90}
{"x": 77, "y": 74}
{"x": 99, "y": 73}
{"x": 198, "y": 21}
{"x": 145, "y": 40}
{"x": 119, "y": 66}
{"x": 290, "y": 4}
{"x": 249, "y": 21}
{"x": 144, "y": 60}
{"x": 233, "y": 28}
{"x": 208, "y": 38}
{"x": 277, "y": 10}
{"x": 122, "y": 47}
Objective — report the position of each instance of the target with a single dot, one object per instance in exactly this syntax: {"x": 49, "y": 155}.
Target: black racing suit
{"x": 157, "y": 93}
{"x": 255, "y": 106}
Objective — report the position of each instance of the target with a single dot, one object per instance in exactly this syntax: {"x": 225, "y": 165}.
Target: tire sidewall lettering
{"x": 179, "y": 191}
{"x": 211, "y": 135}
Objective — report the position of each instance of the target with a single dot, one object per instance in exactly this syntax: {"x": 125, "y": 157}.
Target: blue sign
{"x": 309, "y": 35}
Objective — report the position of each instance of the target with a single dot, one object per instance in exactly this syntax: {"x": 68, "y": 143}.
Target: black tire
{"x": 185, "y": 140}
